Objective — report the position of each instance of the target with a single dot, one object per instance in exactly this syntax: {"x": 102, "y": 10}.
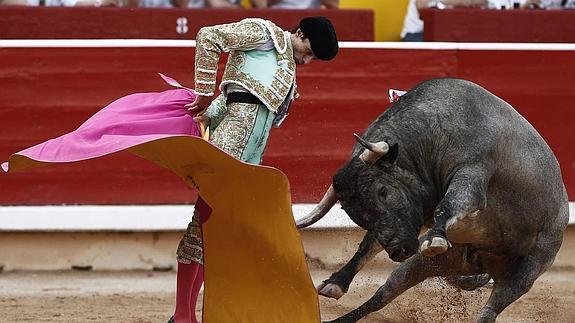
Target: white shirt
{"x": 412, "y": 23}
{"x": 155, "y": 4}
{"x": 503, "y": 4}
{"x": 52, "y": 3}
{"x": 297, "y": 4}
{"x": 556, "y": 4}
{"x": 202, "y": 3}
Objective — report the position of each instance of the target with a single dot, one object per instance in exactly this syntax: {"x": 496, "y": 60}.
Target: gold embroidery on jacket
{"x": 212, "y": 41}
{"x": 273, "y": 96}
{"x": 237, "y": 38}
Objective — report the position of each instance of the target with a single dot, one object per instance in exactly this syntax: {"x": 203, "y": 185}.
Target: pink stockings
{"x": 190, "y": 276}
{"x": 189, "y": 281}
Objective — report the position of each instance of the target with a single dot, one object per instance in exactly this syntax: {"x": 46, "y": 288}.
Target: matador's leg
{"x": 242, "y": 133}
{"x": 190, "y": 267}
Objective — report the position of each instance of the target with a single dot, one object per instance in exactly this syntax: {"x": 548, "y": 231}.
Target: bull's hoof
{"x": 436, "y": 246}
{"x": 469, "y": 282}
{"x": 330, "y": 290}
{"x": 486, "y": 316}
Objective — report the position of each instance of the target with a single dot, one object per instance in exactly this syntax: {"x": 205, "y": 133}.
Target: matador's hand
{"x": 200, "y": 105}
{"x": 203, "y": 120}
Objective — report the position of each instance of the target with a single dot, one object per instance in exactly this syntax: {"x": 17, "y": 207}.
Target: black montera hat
{"x": 321, "y": 35}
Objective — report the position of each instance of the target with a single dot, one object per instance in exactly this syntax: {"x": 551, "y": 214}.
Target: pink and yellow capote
{"x": 255, "y": 267}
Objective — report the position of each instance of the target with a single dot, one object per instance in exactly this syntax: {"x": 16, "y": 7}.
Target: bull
{"x": 453, "y": 157}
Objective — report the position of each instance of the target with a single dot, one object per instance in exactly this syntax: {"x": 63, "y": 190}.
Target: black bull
{"x": 455, "y": 158}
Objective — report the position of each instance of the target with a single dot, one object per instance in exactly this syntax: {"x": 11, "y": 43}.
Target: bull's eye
{"x": 383, "y": 194}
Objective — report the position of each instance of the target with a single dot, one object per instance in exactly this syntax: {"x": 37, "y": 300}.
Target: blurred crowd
{"x": 283, "y": 4}
{"x": 292, "y": 4}
{"x": 497, "y": 4}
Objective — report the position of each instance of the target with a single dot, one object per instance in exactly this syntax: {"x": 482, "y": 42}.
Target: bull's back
{"x": 476, "y": 122}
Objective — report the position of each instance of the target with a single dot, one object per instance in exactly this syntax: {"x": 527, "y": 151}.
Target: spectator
{"x": 184, "y": 3}
{"x": 413, "y": 24}
{"x": 150, "y": 3}
{"x": 552, "y": 4}
{"x": 567, "y": 4}
{"x": 511, "y": 4}
{"x": 295, "y": 4}
{"x": 212, "y": 3}
{"x": 545, "y": 4}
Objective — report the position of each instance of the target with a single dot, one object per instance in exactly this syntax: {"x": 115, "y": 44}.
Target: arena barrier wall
{"x": 49, "y": 87}
{"x": 161, "y": 23}
{"x": 479, "y": 25}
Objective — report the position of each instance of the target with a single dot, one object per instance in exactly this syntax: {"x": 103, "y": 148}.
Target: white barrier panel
{"x": 138, "y": 217}
{"x": 127, "y": 217}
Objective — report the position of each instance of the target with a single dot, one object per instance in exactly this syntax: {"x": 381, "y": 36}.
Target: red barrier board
{"x": 503, "y": 26}
{"x": 48, "y": 91}
{"x": 157, "y": 23}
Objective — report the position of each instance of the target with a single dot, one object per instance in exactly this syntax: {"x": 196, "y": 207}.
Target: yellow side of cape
{"x": 255, "y": 268}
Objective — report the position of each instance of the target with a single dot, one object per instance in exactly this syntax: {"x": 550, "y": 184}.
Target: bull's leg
{"x": 472, "y": 275}
{"x": 338, "y": 283}
{"x": 518, "y": 281}
{"x": 466, "y": 195}
{"x": 468, "y": 282}
{"x": 408, "y": 274}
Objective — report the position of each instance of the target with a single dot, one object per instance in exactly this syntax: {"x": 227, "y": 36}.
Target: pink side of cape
{"x": 129, "y": 121}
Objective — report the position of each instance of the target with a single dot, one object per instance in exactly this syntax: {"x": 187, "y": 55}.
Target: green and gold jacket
{"x": 268, "y": 72}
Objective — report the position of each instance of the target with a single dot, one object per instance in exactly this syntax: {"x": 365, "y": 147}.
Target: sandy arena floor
{"x": 148, "y": 297}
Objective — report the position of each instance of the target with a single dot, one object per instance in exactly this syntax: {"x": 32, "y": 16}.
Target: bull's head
{"x": 374, "y": 193}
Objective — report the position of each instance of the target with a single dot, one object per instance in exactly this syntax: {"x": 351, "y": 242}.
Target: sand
{"x": 78, "y": 296}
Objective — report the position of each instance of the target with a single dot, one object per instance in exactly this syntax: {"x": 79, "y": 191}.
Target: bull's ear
{"x": 389, "y": 158}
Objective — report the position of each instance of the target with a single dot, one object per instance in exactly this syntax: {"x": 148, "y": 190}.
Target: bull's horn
{"x": 326, "y": 203}
{"x": 373, "y": 151}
